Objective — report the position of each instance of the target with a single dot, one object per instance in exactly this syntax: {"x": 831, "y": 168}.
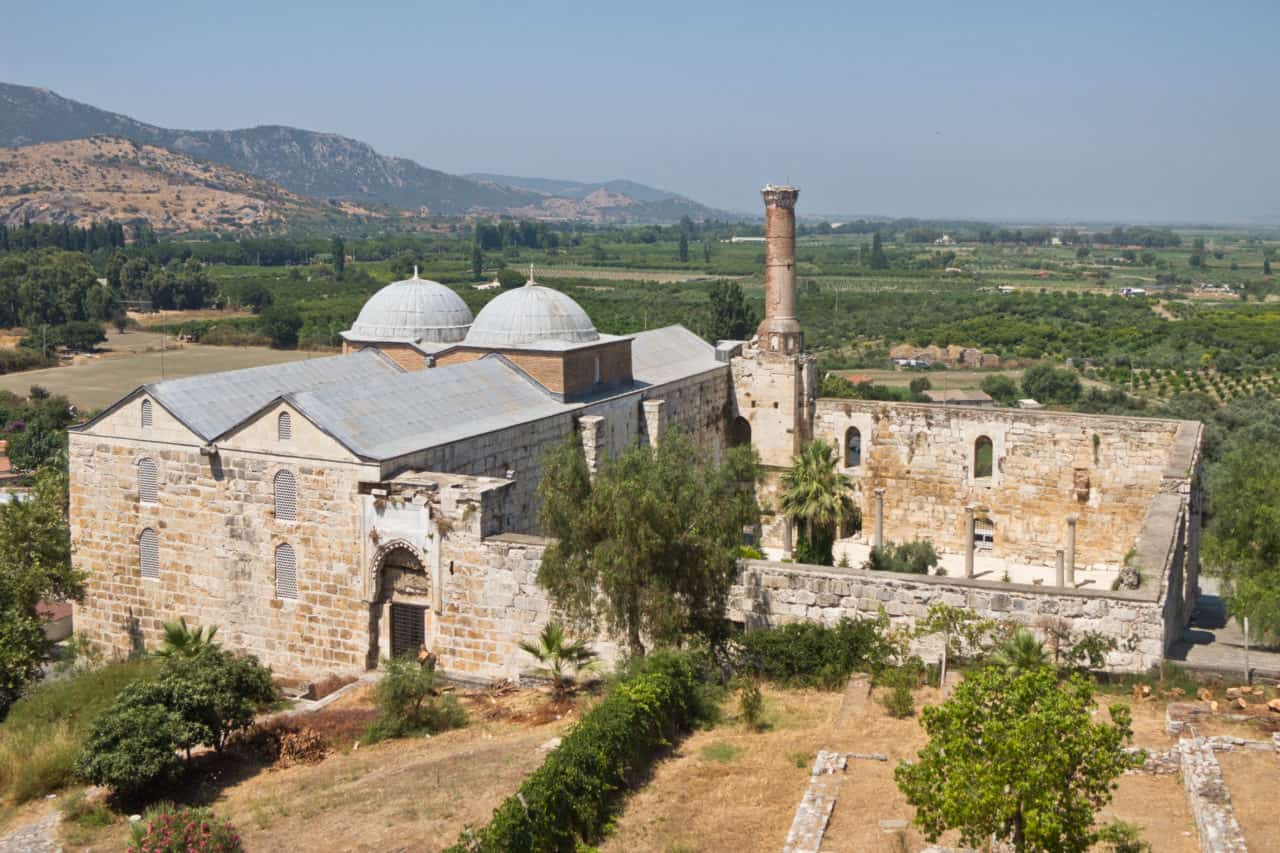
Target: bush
{"x": 1123, "y": 837}
{"x": 133, "y": 746}
{"x": 43, "y": 733}
{"x": 281, "y": 323}
{"x": 751, "y": 703}
{"x": 183, "y": 830}
{"x": 899, "y": 702}
{"x": 811, "y": 655}
{"x": 407, "y": 703}
{"x": 1048, "y": 384}
{"x": 917, "y": 557}
{"x": 570, "y": 798}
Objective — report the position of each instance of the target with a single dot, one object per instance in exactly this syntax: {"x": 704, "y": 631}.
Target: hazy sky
{"x": 1155, "y": 110}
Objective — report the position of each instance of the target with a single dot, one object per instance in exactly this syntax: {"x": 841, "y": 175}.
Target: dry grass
{"x": 1253, "y": 778}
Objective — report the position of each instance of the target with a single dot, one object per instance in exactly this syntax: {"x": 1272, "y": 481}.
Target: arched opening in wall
{"x": 149, "y": 554}
{"x": 286, "y": 496}
{"x": 404, "y": 600}
{"x": 284, "y": 427}
{"x": 146, "y": 414}
{"x": 983, "y": 458}
{"x": 852, "y": 448}
{"x": 286, "y": 572}
{"x": 984, "y": 534}
{"x": 148, "y": 480}
{"x": 739, "y": 432}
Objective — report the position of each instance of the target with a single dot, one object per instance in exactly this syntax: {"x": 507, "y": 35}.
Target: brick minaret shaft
{"x": 780, "y": 330}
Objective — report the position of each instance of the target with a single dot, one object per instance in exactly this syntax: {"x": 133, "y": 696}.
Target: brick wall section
{"x": 571, "y": 373}
{"x": 217, "y": 536}
{"x": 1047, "y": 466}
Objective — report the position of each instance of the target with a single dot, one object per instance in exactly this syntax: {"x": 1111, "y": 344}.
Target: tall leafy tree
{"x": 731, "y": 318}
{"x": 878, "y": 260}
{"x": 818, "y": 496}
{"x": 649, "y": 548}
{"x": 477, "y": 262}
{"x": 339, "y": 250}
{"x": 1018, "y": 756}
{"x": 684, "y": 248}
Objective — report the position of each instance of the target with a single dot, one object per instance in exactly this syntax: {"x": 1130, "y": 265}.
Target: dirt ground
{"x": 615, "y": 274}
{"x": 939, "y": 380}
{"x": 1253, "y": 778}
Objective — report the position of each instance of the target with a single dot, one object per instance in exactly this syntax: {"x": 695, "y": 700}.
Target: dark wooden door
{"x": 408, "y": 629}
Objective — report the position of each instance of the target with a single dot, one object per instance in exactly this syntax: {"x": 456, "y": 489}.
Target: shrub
{"x": 78, "y": 808}
{"x": 899, "y": 702}
{"x": 569, "y": 799}
{"x": 916, "y": 557}
{"x": 183, "y": 830}
{"x": 751, "y": 703}
{"x": 44, "y": 730}
{"x": 1123, "y": 837}
{"x": 812, "y": 655}
{"x": 133, "y": 746}
{"x": 407, "y": 703}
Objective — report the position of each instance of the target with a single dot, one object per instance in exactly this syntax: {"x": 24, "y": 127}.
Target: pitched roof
{"x": 213, "y": 403}
{"x": 670, "y": 353}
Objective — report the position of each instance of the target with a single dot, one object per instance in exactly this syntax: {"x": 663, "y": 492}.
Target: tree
{"x": 35, "y": 564}
{"x": 181, "y": 641}
{"x": 1020, "y": 653}
{"x": 878, "y": 260}
{"x": 819, "y": 497}
{"x": 961, "y": 629}
{"x": 1048, "y": 384}
{"x": 131, "y": 747}
{"x": 1243, "y": 539}
{"x": 1018, "y": 757}
{"x": 477, "y": 262}
{"x": 281, "y": 324}
{"x": 1001, "y": 388}
{"x": 1266, "y": 266}
{"x": 510, "y": 278}
{"x": 684, "y": 248}
{"x": 256, "y": 297}
{"x": 339, "y": 251}
{"x": 731, "y": 319}
{"x": 557, "y": 653}
{"x": 919, "y": 385}
{"x": 650, "y": 547}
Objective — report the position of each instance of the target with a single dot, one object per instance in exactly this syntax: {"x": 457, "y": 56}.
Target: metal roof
{"x": 529, "y": 316}
{"x": 410, "y": 311}
{"x": 390, "y": 416}
{"x": 670, "y": 353}
{"x": 213, "y": 403}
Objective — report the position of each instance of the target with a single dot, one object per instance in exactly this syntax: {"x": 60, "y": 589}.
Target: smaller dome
{"x": 528, "y": 316}
{"x": 415, "y": 310}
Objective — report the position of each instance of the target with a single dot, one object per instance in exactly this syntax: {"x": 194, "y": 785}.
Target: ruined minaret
{"x": 780, "y": 330}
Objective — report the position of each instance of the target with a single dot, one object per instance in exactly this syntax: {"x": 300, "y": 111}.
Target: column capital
{"x": 1072, "y": 519}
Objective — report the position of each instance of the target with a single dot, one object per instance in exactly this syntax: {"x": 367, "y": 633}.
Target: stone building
{"x": 330, "y": 512}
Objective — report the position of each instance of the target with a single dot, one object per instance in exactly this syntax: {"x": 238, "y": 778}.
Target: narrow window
{"x": 147, "y": 479}
{"x": 984, "y": 534}
{"x": 983, "y": 451}
{"x": 852, "y": 448}
{"x": 286, "y": 496}
{"x": 146, "y": 414}
{"x": 149, "y": 554}
{"x": 597, "y": 370}
{"x": 284, "y": 427}
{"x": 286, "y": 572}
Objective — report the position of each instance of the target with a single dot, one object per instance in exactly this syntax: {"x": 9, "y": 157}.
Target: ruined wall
{"x": 217, "y": 534}
{"x": 1047, "y": 466}
{"x": 779, "y": 593}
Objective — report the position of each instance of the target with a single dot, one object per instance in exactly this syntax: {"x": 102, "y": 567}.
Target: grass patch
{"x": 721, "y": 752}
{"x": 803, "y": 760}
{"x": 41, "y": 736}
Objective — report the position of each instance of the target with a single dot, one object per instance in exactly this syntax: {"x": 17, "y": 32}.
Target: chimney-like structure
{"x": 780, "y": 330}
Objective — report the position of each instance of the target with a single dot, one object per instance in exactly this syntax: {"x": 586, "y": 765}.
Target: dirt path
{"x": 39, "y": 836}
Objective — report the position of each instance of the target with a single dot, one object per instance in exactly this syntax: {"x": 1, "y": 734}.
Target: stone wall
{"x": 770, "y": 594}
{"x": 217, "y": 534}
{"x": 1047, "y": 466}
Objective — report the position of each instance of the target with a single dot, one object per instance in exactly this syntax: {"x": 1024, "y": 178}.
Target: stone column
{"x": 653, "y": 420}
{"x": 786, "y": 538}
{"x": 589, "y": 431}
{"x": 1060, "y": 578}
{"x": 879, "y": 529}
{"x": 780, "y": 330}
{"x": 1071, "y": 549}
{"x": 968, "y": 541}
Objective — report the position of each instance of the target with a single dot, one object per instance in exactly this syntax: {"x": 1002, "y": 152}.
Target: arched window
{"x": 852, "y": 448}
{"x": 286, "y": 488}
{"x": 147, "y": 479}
{"x": 146, "y": 414}
{"x": 983, "y": 457}
{"x": 284, "y": 427}
{"x": 286, "y": 572}
{"x": 149, "y": 554}
{"x": 739, "y": 432}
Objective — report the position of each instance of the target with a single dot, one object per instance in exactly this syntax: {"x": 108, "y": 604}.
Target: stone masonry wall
{"x": 217, "y": 536}
{"x": 1047, "y": 466}
{"x": 779, "y": 593}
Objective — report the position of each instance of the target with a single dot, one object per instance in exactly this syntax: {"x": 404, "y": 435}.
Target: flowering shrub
{"x": 168, "y": 829}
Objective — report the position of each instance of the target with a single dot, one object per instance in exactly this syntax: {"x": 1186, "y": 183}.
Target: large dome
{"x": 528, "y": 316}
{"x": 414, "y": 311}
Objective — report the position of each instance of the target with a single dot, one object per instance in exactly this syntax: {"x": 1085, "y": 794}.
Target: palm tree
{"x": 557, "y": 654}
{"x": 818, "y": 496}
{"x": 1022, "y": 652}
{"x": 180, "y": 641}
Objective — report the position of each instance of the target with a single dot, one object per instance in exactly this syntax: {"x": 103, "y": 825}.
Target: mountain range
{"x": 329, "y": 166}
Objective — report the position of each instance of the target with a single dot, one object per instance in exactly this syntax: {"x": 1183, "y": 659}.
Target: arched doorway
{"x": 739, "y": 432}
{"x": 401, "y": 615}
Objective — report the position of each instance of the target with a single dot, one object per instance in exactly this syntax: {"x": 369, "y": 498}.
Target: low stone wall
{"x": 769, "y": 593}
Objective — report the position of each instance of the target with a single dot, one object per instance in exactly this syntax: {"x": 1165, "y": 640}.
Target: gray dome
{"x": 528, "y": 316}
{"x": 414, "y": 310}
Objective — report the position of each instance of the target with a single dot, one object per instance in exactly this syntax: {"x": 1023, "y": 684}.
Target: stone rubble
{"x": 814, "y": 812}
{"x": 1209, "y": 799}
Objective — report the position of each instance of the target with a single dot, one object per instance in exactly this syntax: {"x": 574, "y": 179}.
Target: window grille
{"x": 286, "y": 572}
{"x": 984, "y": 534}
{"x": 149, "y": 554}
{"x": 146, "y": 414}
{"x": 286, "y": 497}
{"x": 284, "y": 426}
{"x": 147, "y": 480}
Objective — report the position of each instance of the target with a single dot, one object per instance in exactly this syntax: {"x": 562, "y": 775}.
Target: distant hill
{"x": 326, "y": 165}
{"x": 77, "y": 181}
